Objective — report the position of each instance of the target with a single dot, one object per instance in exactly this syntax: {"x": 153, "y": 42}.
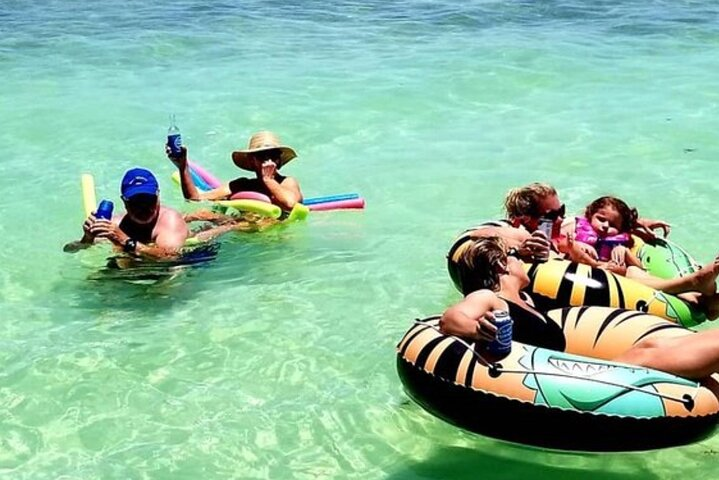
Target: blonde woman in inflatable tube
{"x": 492, "y": 280}
{"x": 264, "y": 156}
{"x": 526, "y": 208}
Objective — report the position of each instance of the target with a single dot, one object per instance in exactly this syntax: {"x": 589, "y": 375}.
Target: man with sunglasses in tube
{"x": 146, "y": 229}
{"x": 264, "y": 156}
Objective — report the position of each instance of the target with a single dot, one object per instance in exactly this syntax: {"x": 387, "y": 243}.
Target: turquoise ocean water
{"x": 277, "y": 360}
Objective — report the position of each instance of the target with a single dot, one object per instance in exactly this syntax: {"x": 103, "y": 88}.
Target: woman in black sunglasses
{"x": 264, "y": 156}
{"x": 529, "y": 206}
{"x": 526, "y": 207}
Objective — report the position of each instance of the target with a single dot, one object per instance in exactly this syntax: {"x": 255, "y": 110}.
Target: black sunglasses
{"x": 263, "y": 155}
{"x": 556, "y": 213}
{"x": 141, "y": 201}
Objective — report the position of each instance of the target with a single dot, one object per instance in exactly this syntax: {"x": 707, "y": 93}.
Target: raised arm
{"x": 285, "y": 194}
{"x": 529, "y": 247}
{"x": 189, "y": 190}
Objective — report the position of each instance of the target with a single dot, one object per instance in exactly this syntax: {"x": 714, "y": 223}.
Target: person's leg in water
{"x": 205, "y": 215}
{"x": 221, "y": 224}
{"x": 702, "y": 281}
{"x": 695, "y": 355}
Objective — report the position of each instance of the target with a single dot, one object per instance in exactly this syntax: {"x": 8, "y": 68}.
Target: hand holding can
{"x": 546, "y": 225}
{"x": 104, "y": 210}
{"x": 501, "y": 345}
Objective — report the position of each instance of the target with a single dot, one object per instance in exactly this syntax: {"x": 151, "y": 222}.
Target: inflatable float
{"x": 664, "y": 259}
{"x": 660, "y": 257}
{"x": 205, "y": 181}
{"x": 242, "y": 204}
{"x": 561, "y": 283}
{"x": 575, "y": 400}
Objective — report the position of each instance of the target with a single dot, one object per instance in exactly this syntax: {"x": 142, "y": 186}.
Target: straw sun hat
{"x": 259, "y": 142}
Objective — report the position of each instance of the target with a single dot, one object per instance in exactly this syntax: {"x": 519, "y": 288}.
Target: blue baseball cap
{"x": 137, "y": 181}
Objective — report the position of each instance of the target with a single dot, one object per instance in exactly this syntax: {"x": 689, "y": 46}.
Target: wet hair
{"x": 628, "y": 215}
{"x": 479, "y": 265}
{"x": 525, "y": 200}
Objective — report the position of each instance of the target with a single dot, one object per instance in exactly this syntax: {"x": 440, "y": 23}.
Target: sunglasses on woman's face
{"x": 556, "y": 213}
{"x": 265, "y": 155}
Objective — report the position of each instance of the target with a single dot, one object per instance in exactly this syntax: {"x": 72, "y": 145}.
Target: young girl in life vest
{"x": 602, "y": 237}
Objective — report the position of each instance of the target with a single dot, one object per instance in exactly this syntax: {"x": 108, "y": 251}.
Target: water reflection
{"x": 143, "y": 270}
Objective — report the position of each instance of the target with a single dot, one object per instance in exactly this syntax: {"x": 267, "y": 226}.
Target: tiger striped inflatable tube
{"x": 573, "y": 400}
{"x": 561, "y": 283}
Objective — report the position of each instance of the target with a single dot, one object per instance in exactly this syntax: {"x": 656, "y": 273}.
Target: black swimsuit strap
{"x": 535, "y": 328}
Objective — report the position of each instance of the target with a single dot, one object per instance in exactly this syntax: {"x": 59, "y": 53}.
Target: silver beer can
{"x": 546, "y": 225}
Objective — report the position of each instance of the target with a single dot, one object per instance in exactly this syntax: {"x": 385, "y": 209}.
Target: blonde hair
{"x": 525, "y": 200}
{"x": 479, "y": 264}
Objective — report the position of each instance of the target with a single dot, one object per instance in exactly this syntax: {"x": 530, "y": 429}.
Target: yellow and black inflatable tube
{"x": 572, "y": 400}
{"x": 560, "y": 283}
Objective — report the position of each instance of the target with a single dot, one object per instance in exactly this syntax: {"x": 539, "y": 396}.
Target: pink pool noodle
{"x": 338, "y": 205}
{"x": 251, "y": 196}
{"x": 209, "y": 179}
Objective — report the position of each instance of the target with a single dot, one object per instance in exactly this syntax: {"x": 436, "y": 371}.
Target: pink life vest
{"x": 583, "y": 232}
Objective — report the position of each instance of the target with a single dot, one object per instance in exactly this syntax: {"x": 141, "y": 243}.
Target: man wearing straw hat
{"x": 264, "y": 155}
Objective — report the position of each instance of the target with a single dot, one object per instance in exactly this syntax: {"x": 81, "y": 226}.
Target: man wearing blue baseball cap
{"x": 147, "y": 228}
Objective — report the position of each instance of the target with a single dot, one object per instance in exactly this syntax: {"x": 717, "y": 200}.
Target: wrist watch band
{"x": 129, "y": 246}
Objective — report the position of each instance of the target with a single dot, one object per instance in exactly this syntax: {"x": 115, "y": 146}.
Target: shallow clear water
{"x": 277, "y": 360}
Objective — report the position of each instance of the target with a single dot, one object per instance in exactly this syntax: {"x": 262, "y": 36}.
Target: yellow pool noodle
{"x": 89, "y": 201}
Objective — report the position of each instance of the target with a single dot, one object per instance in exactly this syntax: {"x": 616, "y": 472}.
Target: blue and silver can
{"x": 104, "y": 210}
{"x": 501, "y": 346}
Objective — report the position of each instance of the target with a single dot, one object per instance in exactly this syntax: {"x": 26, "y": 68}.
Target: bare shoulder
{"x": 168, "y": 214}
{"x": 290, "y": 182}
{"x": 485, "y": 298}
{"x": 171, "y": 219}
